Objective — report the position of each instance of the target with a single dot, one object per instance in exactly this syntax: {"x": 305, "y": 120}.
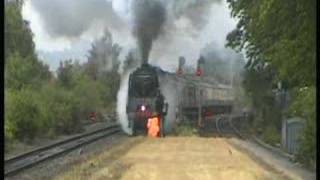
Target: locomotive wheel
{"x": 162, "y": 133}
{"x": 134, "y": 129}
{"x": 134, "y": 133}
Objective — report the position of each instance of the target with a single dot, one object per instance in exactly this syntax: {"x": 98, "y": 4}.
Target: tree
{"x": 131, "y": 60}
{"x": 22, "y": 66}
{"x": 103, "y": 56}
{"x": 277, "y": 32}
{"x": 18, "y": 36}
{"x": 280, "y": 34}
{"x": 64, "y": 73}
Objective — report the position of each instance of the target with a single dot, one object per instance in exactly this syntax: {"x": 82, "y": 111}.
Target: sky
{"x": 65, "y": 29}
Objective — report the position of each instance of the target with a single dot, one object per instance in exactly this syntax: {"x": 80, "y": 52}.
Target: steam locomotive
{"x": 143, "y": 91}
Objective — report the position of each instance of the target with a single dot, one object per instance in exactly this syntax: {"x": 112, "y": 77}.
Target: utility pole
{"x": 200, "y": 107}
{"x": 232, "y": 76}
{"x": 231, "y": 87}
{"x": 199, "y": 73}
{"x": 231, "y": 82}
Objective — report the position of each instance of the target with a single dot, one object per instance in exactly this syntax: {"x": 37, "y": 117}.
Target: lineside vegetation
{"x": 279, "y": 38}
{"x": 39, "y": 103}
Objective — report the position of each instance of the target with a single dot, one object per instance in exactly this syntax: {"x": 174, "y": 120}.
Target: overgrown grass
{"x": 271, "y": 136}
{"x": 186, "y": 128}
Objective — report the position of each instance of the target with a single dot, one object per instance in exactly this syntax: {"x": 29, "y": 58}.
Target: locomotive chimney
{"x": 200, "y": 66}
{"x": 182, "y": 61}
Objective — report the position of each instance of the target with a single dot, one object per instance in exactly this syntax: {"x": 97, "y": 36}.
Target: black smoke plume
{"x": 149, "y": 17}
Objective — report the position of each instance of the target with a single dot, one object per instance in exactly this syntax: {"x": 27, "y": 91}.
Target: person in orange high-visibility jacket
{"x": 153, "y": 126}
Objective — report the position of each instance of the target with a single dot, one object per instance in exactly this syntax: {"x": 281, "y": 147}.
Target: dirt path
{"x": 171, "y": 158}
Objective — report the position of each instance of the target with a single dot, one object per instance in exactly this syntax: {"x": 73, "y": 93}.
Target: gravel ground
{"x": 271, "y": 156}
{"x": 120, "y": 157}
{"x": 171, "y": 158}
{"x": 206, "y": 157}
{"x": 274, "y": 161}
{"x": 19, "y": 147}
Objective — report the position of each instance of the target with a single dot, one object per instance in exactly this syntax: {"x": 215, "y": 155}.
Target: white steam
{"x": 171, "y": 90}
{"x": 122, "y": 99}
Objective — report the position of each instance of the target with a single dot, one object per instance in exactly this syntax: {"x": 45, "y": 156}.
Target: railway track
{"x": 225, "y": 127}
{"x": 34, "y": 157}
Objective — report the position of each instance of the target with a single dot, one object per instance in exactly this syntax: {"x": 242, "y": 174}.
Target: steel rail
{"x": 221, "y": 128}
{"x": 20, "y": 156}
{"x": 218, "y": 127}
{"x": 234, "y": 128}
{"x": 32, "y": 158}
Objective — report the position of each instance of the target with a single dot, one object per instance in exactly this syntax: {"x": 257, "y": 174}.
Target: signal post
{"x": 199, "y": 73}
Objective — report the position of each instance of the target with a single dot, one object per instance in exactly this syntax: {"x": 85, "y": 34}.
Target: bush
{"x": 59, "y": 110}
{"x": 108, "y": 88}
{"x": 22, "y": 114}
{"x": 52, "y": 109}
{"x": 24, "y": 72}
{"x": 271, "y": 135}
{"x": 304, "y": 105}
{"x": 186, "y": 128}
{"x": 87, "y": 95}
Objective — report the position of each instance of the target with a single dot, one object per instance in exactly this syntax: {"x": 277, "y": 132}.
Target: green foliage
{"x": 18, "y": 36}
{"x": 282, "y": 35}
{"x": 278, "y": 32}
{"x": 64, "y": 74}
{"x": 92, "y": 94}
{"x": 58, "y": 111}
{"x": 110, "y": 83}
{"x": 36, "y": 103}
{"x": 103, "y": 56}
{"x": 271, "y": 135}
{"x": 186, "y": 128}
{"x": 22, "y": 68}
{"x": 258, "y": 85}
{"x": 22, "y": 114}
{"x": 304, "y": 106}
{"x": 87, "y": 95}
{"x": 30, "y": 113}
{"x": 24, "y": 72}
